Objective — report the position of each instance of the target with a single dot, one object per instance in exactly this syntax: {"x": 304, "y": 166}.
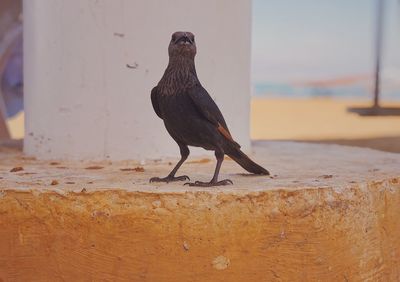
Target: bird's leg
{"x": 171, "y": 176}
{"x": 219, "y": 154}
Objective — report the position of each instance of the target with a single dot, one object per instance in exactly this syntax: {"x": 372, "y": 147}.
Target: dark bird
{"x": 191, "y": 116}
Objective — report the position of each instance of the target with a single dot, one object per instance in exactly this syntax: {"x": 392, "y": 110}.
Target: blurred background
{"x": 11, "y": 78}
{"x": 311, "y": 61}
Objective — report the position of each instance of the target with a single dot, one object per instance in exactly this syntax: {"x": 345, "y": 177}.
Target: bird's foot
{"x": 210, "y": 184}
{"x": 169, "y": 178}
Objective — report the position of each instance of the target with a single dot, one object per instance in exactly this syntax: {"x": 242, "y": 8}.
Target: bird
{"x": 191, "y": 116}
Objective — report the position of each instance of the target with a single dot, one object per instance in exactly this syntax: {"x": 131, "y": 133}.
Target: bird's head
{"x": 182, "y": 45}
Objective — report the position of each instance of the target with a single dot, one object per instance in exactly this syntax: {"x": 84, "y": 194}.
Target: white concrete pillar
{"x": 81, "y": 100}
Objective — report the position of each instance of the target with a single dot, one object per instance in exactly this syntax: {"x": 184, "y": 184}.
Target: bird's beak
{"x": 183, "y": 40}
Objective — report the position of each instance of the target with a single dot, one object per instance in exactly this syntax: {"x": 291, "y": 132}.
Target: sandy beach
{"x": 319, "y": 120}
{"x": 323, "y": 120}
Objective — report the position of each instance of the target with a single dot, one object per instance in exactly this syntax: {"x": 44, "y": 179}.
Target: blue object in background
{"x": 12, "y": 80}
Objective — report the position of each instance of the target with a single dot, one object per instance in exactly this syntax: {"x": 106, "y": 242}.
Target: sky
{"x": 301, "y": 40}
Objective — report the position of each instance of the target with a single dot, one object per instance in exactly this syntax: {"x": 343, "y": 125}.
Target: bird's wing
{"x": 207, "y": 107}
{"x": 154, "y": 101}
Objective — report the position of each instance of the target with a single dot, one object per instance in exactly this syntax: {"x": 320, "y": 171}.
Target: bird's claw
{"x": 169, "y": 179}
{"x": 181, "y": 178}
{"x": 210, "y": 184}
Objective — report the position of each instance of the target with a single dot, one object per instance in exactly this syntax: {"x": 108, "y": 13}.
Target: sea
{"x": 362, "y": 92}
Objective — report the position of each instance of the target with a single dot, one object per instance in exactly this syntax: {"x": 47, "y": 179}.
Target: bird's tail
{"x": 244, "y": 161}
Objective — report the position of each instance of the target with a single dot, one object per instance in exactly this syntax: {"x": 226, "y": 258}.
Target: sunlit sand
{"x": 317, "y": 119}
{"x": 323, "y": 120}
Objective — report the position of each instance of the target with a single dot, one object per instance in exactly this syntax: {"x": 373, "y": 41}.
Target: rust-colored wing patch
{"x": 226, "y": 134}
